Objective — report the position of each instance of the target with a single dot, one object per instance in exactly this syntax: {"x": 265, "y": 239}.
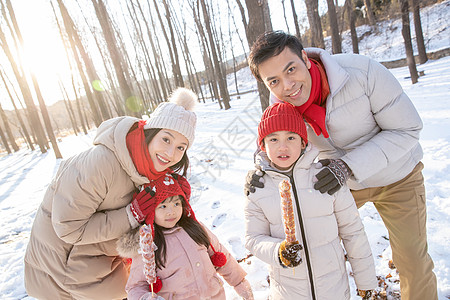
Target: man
{"x": 367, "y": 131}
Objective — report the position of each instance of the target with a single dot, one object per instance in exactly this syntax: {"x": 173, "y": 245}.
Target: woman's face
{"x": 167, "y": 148}
{"x": 169, "y": 212}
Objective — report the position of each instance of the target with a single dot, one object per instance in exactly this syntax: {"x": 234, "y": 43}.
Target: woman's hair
{"x": 192, "y": 227}
{"x": 182, "y": 166}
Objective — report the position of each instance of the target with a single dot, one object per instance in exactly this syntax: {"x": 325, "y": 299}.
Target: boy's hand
{"x": 333, "y": 176}
{"x": 253, "y": 179}
{"x": 365, "y": 294}
{"x": 290, "y": 254}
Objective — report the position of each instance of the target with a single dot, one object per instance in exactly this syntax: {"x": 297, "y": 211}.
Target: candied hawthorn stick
{"x": 288, "y": 211}
{"x": 148, "y": 254}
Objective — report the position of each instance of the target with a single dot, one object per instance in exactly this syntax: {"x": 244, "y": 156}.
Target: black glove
{"x": 333, "y": 176}
{"x": 253, "y": 179}
{"x": 290, "y": 254}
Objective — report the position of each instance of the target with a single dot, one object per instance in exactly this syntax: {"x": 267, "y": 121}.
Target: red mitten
{"x": 142, "y": 204}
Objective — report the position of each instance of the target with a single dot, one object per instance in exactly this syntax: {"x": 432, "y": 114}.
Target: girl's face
{"x": 167, "y": 148}
{"x": 169, "y": 212}
{"x": 283, "y": 148}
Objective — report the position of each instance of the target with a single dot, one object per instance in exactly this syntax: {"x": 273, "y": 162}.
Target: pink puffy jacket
{"x": 188, "y": 272}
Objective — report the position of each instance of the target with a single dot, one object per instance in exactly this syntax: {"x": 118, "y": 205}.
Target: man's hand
{"x": 333, "y": 176}
{"x": 290, "y": 254}
{"x": 253, "y": 180}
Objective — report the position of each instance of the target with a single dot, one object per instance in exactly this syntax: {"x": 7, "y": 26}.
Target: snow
{"x": 223, "y": 153}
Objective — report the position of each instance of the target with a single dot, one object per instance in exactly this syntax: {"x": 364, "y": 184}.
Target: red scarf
{"x": 312, "y": 110}
{"x": 138, "y": 150}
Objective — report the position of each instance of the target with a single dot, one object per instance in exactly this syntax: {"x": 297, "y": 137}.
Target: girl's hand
{"x": 149, "y": 296}
{"x": 244, "y": 290}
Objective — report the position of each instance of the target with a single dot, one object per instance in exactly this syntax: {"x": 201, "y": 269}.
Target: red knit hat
{"x": 281, "y": 117}
{"x": 166, "y": 186}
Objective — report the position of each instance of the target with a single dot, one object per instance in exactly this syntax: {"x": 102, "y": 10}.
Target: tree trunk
{"x": 370, "y": 14}
{"x": 423, "y": 58}
{"x": 8, "y": 130}
{"x": 335, "y": 35}
{"x": 34, "y": 120}
{"x": 351, "y": 19}
{"x": 297, "y": 27}
{"x": 257, "y": 26}
{"x": 174, "y": 46}
{"x": 19, "y": 118}
{"x": 117, "y": 59}
{"x": 45, "y": 116}
{"x": 75, "y": 43}
{"x": 315, "y": 26}
{"x": 218, "y": 71}
{"x": 406, "y": 32}
{"x": 175, "y": 71}
{"x": 284, "y": 16}
{"x": 5, "y": 141}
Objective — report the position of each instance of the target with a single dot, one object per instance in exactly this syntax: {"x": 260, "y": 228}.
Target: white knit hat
{"x": 177, "y": 114}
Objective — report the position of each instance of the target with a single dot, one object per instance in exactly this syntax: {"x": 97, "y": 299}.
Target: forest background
{"x": 97, "y": 59}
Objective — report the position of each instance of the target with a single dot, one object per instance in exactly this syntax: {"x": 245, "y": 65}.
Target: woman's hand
{"x": 142, "y": 204}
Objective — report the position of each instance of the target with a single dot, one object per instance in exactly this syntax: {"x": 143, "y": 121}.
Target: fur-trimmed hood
{"x": 128, "y": 244}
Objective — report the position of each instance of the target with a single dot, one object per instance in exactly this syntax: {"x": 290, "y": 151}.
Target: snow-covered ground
{"x": 222, "y": 154}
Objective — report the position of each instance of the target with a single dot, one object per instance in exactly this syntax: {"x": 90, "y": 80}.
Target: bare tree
{"x": 315, "y": 25}
{"x": 257, "y": 25}
{"x": 19, "y": 74}
{"x": 8, "y": 130}
{"x": 335, "y": 35}
{"x": 406, "y": 32}
{"x": 284, "y": 15}
{"x": 370, "y": 14}
{"x": 16, "y": 110}
{"x": 349, "y": 8}
{"x": 46, "y": 117}
{"x": 221, "y": 80}
{"x": 297, "y": 27}
{"x": 175, "y": 66}
{"x": 116, "y": 58}
{"x": 79, "y": 52}
{"x": 415, "y": 5}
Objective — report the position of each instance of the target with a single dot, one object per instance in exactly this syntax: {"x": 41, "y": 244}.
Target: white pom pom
{"x": 184, "y": 98}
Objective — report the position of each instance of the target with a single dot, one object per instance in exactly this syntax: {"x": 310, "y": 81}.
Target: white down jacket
{"x": 373, "y": 125}
{"x": 321, "y": 222}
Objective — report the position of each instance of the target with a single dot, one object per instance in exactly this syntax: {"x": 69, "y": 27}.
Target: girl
{"x": 188, "y": 256}
{"x": 89, "y": 204}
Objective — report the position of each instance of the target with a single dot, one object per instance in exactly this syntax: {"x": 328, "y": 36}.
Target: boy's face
{"x": 287, "y": 76}
{"x": 283, "y": 148}
{"x": 169, "y": 212}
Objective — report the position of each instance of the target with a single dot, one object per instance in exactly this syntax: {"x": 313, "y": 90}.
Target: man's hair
{"x": 270, "y": 44}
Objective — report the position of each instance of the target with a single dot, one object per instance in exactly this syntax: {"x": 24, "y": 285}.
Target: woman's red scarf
{"x": 138, "y": 150}
{"x": 312, "y": 110}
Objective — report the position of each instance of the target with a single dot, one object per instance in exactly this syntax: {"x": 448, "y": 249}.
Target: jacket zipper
{"x": 305, "y": 245}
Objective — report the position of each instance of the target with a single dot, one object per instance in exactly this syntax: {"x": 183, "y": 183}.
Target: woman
{"x": 91, "y": 202}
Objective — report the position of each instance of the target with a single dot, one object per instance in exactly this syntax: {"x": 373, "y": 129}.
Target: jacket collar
{"x": 304, "y": 162}
{"x": 337, "y": 76}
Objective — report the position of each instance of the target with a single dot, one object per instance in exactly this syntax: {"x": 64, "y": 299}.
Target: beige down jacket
{"x": 72, "y": 249}
{"x": 321, "y": 222}
{"x": 373, "y": 125}
{"x": 188, "y": 272}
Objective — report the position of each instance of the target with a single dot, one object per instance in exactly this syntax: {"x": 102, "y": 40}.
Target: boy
{"x": 322, "y": 220}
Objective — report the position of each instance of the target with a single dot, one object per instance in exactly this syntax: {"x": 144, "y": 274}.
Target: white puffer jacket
{"x": 373, "y": 125}
{"x": 325, "y": 220}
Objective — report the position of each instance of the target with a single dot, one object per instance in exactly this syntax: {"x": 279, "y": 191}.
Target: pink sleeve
{"x": 137, "y": 286}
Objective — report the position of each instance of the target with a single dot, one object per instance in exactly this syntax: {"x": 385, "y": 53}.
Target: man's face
{"x": 287, "y": 76}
